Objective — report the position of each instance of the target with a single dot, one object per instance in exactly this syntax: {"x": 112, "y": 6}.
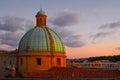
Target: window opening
{"x": 38, "y": 61}
{"x": 58, "y": 61}
{"x": 21, "y": 60}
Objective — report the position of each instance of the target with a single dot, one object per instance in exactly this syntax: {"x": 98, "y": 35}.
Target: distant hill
{"x": 114, "y": 58}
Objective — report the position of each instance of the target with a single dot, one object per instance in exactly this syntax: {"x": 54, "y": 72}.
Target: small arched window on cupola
{"x": 40, "y": 21}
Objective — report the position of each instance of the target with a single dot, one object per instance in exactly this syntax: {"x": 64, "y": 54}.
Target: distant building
{"x": 101, "y": 64}
{"x": 118, "y": 62}
{"x": 8, "y": 62}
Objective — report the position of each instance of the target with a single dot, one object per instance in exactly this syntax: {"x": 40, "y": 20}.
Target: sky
{"x": 88, "y": 28}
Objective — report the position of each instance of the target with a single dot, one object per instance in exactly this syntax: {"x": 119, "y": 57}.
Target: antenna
{"x": 40, "y": 6}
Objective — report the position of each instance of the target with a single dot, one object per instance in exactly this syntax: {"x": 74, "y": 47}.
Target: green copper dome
{"x": 41, "y": 12}
{"x": 39, "y": 39}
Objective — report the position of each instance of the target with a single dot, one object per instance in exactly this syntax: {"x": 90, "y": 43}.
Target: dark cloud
{"x": 74, "y": 41}
{"x": 118, "y": 48}
{"x": 66, "y": 18}
{"x": 100, "y": 35}
{"x": 60, "y": 25}
{"x": 63, "y": 32}
{"x": 12, "y": 23}
{"x": 69, "y": 38}
{"x": 114, "y": 25}
{"x": 106, "y": 30}
{"x": 11, "y": 38}
{"x": 12, "y": 29}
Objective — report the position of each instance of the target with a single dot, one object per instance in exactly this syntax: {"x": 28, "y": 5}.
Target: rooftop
{"x": 73, "y": 72}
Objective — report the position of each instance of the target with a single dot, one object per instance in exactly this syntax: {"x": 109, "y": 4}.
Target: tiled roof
{"x": 73, "y": 72}
{"x": 2, "y": 52}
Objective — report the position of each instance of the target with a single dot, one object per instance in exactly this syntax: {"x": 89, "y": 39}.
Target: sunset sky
{"x": 87, "y": 27}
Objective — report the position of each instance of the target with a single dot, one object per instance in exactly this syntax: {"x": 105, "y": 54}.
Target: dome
{"x": 41, "y": 38}
{"x": 38, "y": 39}
{"x": 41, "y": 47}
{"x": 41, "y": 12}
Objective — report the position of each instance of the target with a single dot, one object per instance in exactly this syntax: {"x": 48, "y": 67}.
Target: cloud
{"x": 10, "y": 38}
{"x": 101, "y": 35}
{"x": 63, "y": 32}
{"x": 60, "y": 25}
{"x": 12, "y": 23}
{"x": 118, "y": 48}
{"x": 74, "y": 41}
{"x": 66, "y": 18}
{"x": 97, "y": 12}
{"x": 12, "y": 29}
{"x": 69, "y": 38}
{"x": 114, "y": 25}
{"x": 106, "y": 30}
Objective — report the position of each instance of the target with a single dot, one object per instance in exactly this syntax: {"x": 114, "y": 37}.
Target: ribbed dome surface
{"x": 38, "y": 39}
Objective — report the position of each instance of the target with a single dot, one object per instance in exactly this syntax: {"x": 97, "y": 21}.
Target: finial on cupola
{"x": 41, "y": 18}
